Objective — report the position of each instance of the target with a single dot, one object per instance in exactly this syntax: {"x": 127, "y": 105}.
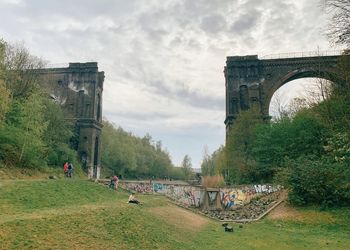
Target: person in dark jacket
{"x": 70, "y": 169}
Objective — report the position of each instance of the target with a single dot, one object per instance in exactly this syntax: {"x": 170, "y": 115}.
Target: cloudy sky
{"x": 164, "y": 59}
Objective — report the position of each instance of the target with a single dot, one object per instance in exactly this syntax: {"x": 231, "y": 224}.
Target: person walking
{"x": 70, "y": 169}
{"x": 65, "y": 169}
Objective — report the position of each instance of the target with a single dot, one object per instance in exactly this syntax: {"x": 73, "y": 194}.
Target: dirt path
{"x": 181, "y": 218}
{"x": 283, "y": 211}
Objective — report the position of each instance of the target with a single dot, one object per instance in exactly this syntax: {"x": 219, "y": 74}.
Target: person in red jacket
{"x": 65, "y": 169}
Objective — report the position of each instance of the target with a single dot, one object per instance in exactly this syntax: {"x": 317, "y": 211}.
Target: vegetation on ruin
{"x": 33, "y": 131}
{"x": 69, "y": 214}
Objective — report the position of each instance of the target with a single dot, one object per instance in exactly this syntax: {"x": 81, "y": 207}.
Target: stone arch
{"x": 251, "y": 82}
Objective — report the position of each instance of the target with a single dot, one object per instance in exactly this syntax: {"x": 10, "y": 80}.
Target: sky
{"x": 164, "y": 59}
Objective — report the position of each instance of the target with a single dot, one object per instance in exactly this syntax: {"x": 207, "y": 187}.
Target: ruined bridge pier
{"x": 78, "y": 89}
{"x": 250, "y": 82}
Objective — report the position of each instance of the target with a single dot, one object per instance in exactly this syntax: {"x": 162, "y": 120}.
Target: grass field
{"x": 78, "y": 214}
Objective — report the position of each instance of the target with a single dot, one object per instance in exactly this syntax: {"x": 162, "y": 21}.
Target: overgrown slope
{"x": 77, "y": 214}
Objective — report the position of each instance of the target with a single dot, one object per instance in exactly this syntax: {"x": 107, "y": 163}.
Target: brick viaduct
{"x": 251, "y": 82}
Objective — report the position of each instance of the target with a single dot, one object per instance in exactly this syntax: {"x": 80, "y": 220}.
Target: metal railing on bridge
{"x": 304, "y": 54}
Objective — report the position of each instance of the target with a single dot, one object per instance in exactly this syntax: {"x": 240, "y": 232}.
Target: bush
{"x": 282, "y": 176}
{"x": 320, "y": 182}
{"x": 213, "y": 181}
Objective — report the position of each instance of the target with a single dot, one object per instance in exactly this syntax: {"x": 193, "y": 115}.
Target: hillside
{"x": 78, "y": 214}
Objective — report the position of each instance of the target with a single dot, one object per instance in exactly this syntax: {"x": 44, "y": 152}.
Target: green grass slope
{"x": 78, "y": 214}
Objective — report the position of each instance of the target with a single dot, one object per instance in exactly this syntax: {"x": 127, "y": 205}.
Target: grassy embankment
{"x": 78, "y": 214}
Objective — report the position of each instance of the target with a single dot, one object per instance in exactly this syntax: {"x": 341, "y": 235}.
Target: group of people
{"x": 68, "y": 169}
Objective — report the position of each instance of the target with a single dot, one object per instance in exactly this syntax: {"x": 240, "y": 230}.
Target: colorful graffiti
{"x": 194, "y": 195}
{"x": 159, "y": 188}
{"x": 233, "y": 197}
{"x": 212, "y": 197}
{"x": 186, "y": 195}
{"x": 243, "y": 194}
{"x": 266, "y": 188}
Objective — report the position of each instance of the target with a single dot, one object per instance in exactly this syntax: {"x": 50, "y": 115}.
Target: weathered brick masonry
{"x": 78, "y": 89}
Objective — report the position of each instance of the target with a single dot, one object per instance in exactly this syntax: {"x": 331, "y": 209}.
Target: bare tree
{"x": 17, "y": 66}
{"x": 317, "y": 91}
{"x": 295, "y": 105}
{"x": 278, "y": 107}
{"x": 339, "y": 26}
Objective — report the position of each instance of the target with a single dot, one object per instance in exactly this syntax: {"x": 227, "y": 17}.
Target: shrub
{"x": 213, "y": 181}
{"x": 321, "y": 182}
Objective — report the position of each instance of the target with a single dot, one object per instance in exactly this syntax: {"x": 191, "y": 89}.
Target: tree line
{"x": 130, "y": 156}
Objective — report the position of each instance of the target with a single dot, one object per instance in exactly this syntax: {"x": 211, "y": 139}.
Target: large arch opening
{"x": 295, "y": 94}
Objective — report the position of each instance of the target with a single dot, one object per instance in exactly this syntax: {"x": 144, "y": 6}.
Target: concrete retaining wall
{"x": 194, "y": 196}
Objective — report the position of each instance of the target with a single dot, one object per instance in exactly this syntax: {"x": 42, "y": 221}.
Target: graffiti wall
{"x": 243, "y": 194}
{"x": 139, "y": 187}
{"x": 232, "y": 197}
{"x": 194, "y": 196}
{"x": 186, "y": 195}
{"x": 159, "y": 188}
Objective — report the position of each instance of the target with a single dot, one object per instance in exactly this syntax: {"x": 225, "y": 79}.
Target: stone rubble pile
{"x": 249, "y": 211}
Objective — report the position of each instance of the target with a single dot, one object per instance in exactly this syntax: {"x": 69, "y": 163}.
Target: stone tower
{"x": 78, "y": 89}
